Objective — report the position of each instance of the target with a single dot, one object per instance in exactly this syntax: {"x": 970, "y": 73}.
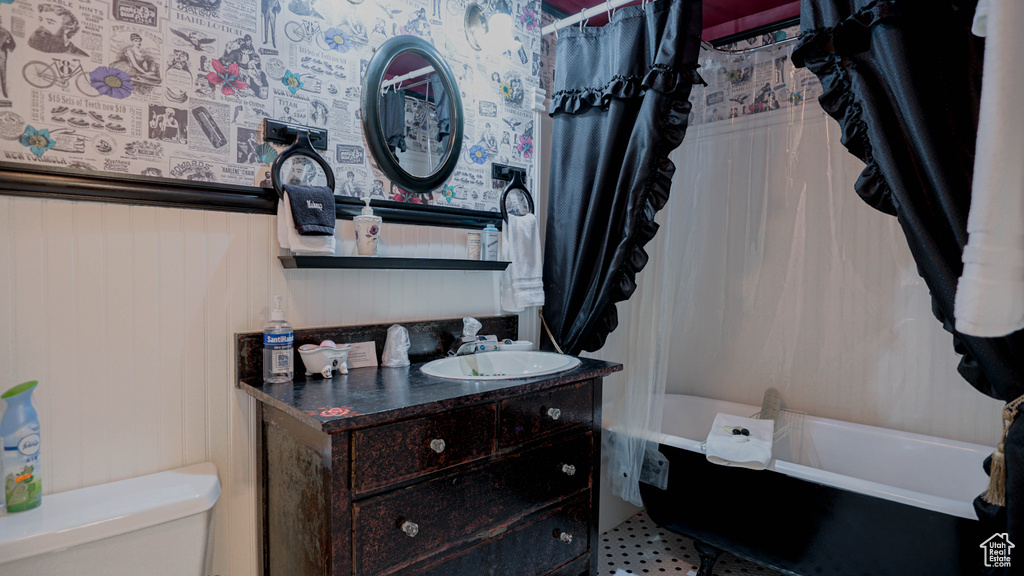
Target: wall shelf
{"x": 379, "y": 263}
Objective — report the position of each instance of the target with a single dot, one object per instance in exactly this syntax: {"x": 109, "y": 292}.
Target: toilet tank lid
{"x": 88, "y": 514}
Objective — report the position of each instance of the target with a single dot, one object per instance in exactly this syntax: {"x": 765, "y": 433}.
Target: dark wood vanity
{"x": 391, "y": 471}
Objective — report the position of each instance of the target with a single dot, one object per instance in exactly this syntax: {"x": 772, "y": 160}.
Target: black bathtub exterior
{"x": 809, "y": 529}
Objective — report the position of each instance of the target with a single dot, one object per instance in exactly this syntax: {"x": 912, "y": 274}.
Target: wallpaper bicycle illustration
{"x": 61, "y": 72}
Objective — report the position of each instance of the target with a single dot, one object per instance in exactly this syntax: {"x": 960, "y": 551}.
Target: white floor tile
{"x": 639, "y": 546}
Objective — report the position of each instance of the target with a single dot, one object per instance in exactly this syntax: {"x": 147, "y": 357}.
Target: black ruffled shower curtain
{"x": 619, "y": 107}
{"x": 903, "y": 78}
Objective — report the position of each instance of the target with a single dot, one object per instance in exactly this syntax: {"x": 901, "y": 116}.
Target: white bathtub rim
{"x": 941, "y": 504}
{"x": 849, "y": 483}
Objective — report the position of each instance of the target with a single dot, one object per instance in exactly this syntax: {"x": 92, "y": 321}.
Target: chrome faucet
{"x": 467, "y": 344}
{"x": 462, "y": 348}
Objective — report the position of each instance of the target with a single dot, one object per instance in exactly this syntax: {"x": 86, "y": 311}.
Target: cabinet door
{"x": 394, "y": 529}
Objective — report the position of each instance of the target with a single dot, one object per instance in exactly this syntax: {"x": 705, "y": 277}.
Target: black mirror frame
{"x": 373, "y": 130}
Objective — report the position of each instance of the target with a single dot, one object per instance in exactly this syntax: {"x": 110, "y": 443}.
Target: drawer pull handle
{"x": 568, "y": 469}
{"x": 437, "y": 445}
{"x": 554, "y": 413}
{"x": 411, "y": 529}
{"x": 565, "y": 537}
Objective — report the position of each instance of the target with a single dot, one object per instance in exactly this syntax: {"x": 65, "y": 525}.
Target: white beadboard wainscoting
{"x": 127, "y": 315}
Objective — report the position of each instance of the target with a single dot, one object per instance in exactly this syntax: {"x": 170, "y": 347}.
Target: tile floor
{"x": 639, "y": 546}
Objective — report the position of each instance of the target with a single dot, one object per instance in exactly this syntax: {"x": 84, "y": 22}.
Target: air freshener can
{"x": 489, "y": 238}
{"x": 19, "y": 430}
{"x": 473, "y": 246}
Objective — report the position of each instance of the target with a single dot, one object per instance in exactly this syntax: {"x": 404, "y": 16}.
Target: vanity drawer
{"x": 534, "y": 548}
{"x": 534, "y": 415}
{"x": 390, "y": 453}
{"x": 396, "y": 528}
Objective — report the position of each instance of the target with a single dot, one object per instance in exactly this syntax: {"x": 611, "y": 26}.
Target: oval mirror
{"x": 412, "y": 114}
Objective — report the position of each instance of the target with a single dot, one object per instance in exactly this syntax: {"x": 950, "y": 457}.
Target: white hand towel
{"x": 290, "y": 239}
{"x": 753, "y": 451}
{"x": 990, "y": 293}
{"x": 522, "y": 282}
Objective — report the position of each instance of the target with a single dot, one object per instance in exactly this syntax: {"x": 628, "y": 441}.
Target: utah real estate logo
{"x": 997, "y": 550}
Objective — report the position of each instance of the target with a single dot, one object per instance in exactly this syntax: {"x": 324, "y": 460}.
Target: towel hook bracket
{"x": 285, "y": 133}
{"x": 505, "y": 172}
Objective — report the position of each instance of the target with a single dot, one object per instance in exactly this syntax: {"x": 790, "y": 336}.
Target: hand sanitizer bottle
{"x": 278, "y": 338}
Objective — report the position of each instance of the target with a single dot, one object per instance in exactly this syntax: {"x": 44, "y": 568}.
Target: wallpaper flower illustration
{"x": 337, "y": 40}
{"x": 111, "y": 82}
{"x": 478, "y": 154}
{"x": 226, "y": 77}
{"x": 37, "y": 141}
{"x": 292, "y": 81}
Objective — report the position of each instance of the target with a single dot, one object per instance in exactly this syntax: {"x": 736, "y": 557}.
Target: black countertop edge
{"x": 369, "y": 396}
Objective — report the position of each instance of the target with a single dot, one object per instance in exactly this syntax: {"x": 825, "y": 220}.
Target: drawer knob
{"x": 411, "y": 529}
{"x": 565, "y": 537}
{"x": 568, "y": 469}
{"x": 554, "y": 413}
{"x": 437, "y": 445}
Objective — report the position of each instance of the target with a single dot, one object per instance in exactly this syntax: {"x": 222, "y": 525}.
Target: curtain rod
{"x": 609, "y": 5}
{"x": 709, "y": 47}
{"x": 604, "y": 7}
{"x": 408, "y": 76}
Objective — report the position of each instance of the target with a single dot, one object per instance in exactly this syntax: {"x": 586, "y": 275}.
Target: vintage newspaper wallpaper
{"x": 752, "y": 83}
{"x": 178, "y": 88}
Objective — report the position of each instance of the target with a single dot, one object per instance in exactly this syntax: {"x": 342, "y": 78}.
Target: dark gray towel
{"x": 442, "y": 107}
{"x": 312, "y": 209}
{"x": 392, "y": 119}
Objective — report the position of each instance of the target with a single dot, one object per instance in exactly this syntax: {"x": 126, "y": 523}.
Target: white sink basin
{"x": 500, "y": 365}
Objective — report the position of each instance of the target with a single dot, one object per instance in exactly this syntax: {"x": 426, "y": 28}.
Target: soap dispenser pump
{"x": 367, "y": 230}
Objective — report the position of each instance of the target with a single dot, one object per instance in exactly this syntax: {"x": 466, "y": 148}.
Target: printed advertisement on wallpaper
{"x": 178, "y": 88}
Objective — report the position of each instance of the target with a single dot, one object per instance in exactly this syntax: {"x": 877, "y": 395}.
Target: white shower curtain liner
{"x": 770, "y": 271}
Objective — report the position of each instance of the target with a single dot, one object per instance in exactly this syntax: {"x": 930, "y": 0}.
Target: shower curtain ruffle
{"x": 819, "y": 51}
{"x": 903, "y": 79}
{"x": 646, "y": 61}
{"x": 643, "y": 228}
{"x": 663, "y": 79}
{"x": 828, "y": 51}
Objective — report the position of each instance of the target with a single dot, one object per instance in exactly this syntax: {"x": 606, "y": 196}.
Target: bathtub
{"x": 838, "y": 498}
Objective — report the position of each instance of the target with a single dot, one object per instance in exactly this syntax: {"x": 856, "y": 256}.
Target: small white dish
{"x": 325, "y": 358}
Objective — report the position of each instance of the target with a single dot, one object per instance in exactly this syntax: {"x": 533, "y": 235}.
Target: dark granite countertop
{"x": 367, "y": 396}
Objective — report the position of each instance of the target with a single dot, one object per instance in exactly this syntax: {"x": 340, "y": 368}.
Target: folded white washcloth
{"x": 522, "y": 282}
{"x": 980, "y": 25}
{"x": 752, "y": 451}
{"x": 290, "y": 239}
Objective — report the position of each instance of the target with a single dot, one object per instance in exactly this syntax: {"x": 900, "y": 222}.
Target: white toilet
{"x": 154, "y": 525}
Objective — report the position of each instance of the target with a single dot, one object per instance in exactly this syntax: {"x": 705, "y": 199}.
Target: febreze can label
{"x": 22, "y": 484}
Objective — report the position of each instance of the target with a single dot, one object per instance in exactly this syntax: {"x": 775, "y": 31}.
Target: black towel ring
{"x": 516, "y": 184}
{"x": 301, "y": 146}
